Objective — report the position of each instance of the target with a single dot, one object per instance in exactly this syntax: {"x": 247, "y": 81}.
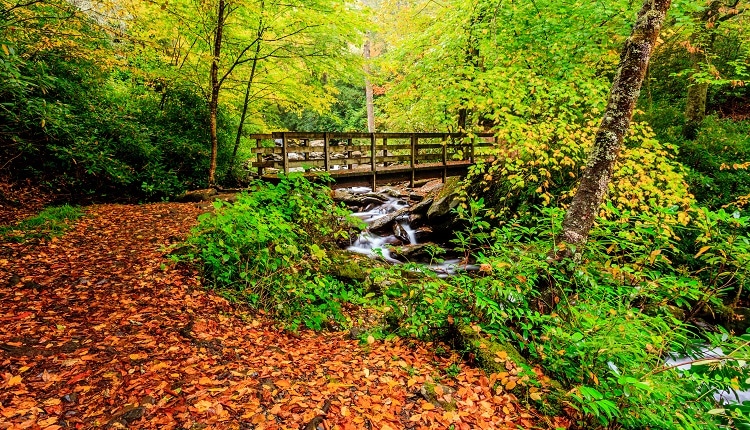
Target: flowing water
{"x": 376, "y": 246}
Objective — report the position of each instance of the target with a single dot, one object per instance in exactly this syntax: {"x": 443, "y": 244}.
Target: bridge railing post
{"x": 326, "y": 154}
{"x": 471, "y": 149}
{"x": 373, "y": 164}
{"x": 413, "y": 158}
{"x": 445, "y": 157}
{"x": 284, "y": 155}
{"x": 349, "y": 152}
{"x": 259, "y": 158}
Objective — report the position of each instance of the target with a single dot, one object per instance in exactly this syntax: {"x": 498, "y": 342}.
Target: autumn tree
{"x": 626, "y": 88}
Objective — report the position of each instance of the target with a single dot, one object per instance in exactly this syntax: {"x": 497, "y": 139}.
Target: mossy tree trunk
{"x": 625, "y": 91}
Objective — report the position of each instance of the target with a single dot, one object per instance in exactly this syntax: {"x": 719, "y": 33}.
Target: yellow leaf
{"x": 14, "y": 380}
{"x": 203, "y": 405}
{"x": 370, "y": 339}
{"x": 510, "y": 385}
{"x": 426, "y": 406}
{"x": 702, "y": 250}
{"x": 653, "y": 255}
{"x": 536, "y": 396}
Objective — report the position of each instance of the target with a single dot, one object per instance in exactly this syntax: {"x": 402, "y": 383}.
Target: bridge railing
{"x": 367, "y": 154}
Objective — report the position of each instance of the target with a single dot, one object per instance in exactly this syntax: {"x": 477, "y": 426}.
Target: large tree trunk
{"x": 625, "y": 91}
{"x": 213, "y": 104}
{"x": 368, "y": 88}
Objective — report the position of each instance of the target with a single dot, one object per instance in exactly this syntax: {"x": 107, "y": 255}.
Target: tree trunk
{"x": 368, "y": 88}
{"x": 245, "y": 104}
{"x": 701, "y": 42}
{"x": 213, "y": 104}
{"x": 695, "y": 105}
{"x": 626, "y": 88}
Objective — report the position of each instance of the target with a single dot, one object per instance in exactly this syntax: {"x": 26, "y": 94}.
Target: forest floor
{"x": 98, "y": 328}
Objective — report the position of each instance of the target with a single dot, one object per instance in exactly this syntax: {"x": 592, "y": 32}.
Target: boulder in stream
{"x": 445, "y": 200}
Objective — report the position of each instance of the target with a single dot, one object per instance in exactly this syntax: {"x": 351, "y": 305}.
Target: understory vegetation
{"x": 51, "y": 222}
{"x": 605, "y": 326}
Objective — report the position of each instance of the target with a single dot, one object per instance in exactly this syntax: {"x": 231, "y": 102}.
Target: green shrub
{"x": 271, "y": 249}
{"x": 50, "y": 222}
{"x": 717, "y": 159}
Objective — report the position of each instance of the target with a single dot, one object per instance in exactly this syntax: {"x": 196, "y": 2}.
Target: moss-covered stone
{"x": 512, "y": 371}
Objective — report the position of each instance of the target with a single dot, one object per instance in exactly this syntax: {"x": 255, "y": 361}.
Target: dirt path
{"x": 97, "y": 329}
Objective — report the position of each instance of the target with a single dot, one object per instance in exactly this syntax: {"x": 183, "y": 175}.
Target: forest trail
{"x": 98, "y": 329}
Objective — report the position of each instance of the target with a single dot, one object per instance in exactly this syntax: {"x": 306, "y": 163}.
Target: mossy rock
{"x": 512, "y": 370}
{"x": 351, "y": 267}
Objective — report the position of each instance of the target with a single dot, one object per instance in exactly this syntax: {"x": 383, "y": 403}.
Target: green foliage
{"x": 603, "y": 326}
{"x": 347, "y": 114}
{"x": 76, "y": 114}
{"x": 51, "y": 222}
{"x": 717, "y": 159}
{"x": 271, "y": 249}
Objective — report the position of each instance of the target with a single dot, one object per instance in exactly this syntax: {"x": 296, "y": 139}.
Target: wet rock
{"x": 418, "y": 252}
{"x": 130, "y": 414}
{"x": 416, "y": 197}
{"x": 400, "y": 233}
{"x": 443, "y": 206}
{"x": 383, "y": 223}
{"x": 421, "y": 207}
{"x": 423, "y": 234}
{"x": 358, "y": 200}
{"x": 388, "y": 191}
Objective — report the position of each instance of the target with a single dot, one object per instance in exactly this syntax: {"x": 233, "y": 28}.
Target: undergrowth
{"x": 270, "y": 250}
{"x": 606, "y": 326}
{"x": 51, "y": 222}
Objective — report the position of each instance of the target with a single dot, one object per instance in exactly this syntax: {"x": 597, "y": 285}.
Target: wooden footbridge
{"x": 369, "y": 158}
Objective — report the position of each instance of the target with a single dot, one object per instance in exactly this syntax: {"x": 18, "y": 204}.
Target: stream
{"x": 403, "y": 237}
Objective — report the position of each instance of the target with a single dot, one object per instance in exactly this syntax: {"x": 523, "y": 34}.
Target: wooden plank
{"x": 259, "y": 157}
{"x": 266, "y": 150}
{"x": 261, "y": 164}
{"x": 326, "y": 154}
{"x": 393, "y": 158}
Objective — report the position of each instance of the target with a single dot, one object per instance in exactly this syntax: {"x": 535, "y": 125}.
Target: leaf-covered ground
{"x": 97, "y": 329}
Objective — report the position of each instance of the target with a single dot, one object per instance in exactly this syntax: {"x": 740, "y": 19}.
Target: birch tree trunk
{"x": 626, "y": 88}
{"x": 368, "y": 88}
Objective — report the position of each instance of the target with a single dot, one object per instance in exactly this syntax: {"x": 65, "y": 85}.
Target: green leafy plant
{"x": 272, "y": 250}
{"x": 51, "y": 222}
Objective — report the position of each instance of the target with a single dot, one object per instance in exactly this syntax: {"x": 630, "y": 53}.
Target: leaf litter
{"x": 98, "y": 330}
